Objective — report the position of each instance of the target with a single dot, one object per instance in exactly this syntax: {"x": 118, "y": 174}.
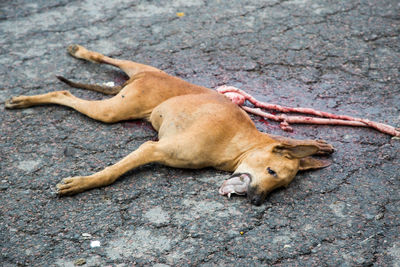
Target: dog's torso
{"x": 207, "y": 130}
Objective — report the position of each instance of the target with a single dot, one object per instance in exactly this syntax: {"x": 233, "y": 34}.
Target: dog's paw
{"x": 71, "y": 186}
{"x": 76, "y": 50}
{"x": 72, "y": 49}
{"x": 17, "y": 102}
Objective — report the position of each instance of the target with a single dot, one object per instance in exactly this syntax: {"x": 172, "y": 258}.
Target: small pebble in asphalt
{"x": 80, "y": 262}
{"x": 95, "y": 244}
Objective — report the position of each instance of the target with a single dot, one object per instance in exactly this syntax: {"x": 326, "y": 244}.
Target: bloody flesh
{"x": 239, "y": 97}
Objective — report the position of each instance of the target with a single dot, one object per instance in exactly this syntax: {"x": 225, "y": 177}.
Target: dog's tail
{"x": 108, "y": 90}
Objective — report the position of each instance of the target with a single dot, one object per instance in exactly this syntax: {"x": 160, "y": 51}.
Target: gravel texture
{"x": 337, "y": 56}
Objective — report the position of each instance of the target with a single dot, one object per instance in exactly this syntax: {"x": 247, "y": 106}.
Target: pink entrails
{"x": 239, "y": 97}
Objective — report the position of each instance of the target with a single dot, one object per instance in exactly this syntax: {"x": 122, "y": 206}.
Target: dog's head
{"x": 265, "y": 169}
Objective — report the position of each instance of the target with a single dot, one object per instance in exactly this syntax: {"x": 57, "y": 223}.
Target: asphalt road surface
{"x": 338, "y": 56}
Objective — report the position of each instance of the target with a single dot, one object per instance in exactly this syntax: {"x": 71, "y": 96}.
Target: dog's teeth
{"x": 229, "y": 195}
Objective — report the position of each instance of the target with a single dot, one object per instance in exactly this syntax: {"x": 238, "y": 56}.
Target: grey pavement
{"x": 338, "y": 56}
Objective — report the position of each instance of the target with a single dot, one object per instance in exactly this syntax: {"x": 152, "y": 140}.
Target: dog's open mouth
{"x": 236, "y": 184}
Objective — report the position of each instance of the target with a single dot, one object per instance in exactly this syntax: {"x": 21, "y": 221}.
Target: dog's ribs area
{"x": 340, "y": 57}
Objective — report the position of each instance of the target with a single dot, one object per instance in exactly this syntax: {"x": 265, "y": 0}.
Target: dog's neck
{"x": 254, "y": 143}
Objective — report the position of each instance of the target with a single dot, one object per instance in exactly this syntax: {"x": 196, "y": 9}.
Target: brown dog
{"x": 197, "y": 128}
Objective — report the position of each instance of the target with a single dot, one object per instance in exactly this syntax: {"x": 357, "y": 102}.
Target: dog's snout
{"x": 256, "y": 200}
{"x": 255, "y": 197}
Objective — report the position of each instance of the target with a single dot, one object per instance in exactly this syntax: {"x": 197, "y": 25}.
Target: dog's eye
{"x": 272, "y": 172}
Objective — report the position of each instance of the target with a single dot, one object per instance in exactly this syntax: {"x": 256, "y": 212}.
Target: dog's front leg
{"x": 146, "y": 153}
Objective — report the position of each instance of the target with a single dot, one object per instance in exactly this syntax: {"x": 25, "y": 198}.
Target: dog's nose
{"x": 256, "y": 200}
{"x": 255, "y": 196}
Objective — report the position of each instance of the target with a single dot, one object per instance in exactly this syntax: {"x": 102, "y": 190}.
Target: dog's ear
{"x": 308, "y": 163}
{"x": 295, "y": 151}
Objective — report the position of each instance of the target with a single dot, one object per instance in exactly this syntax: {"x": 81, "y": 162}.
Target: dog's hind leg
{"x": 129, "y": 67}
{"x": 136, "y": 100}
{"x": 110, "y": 110}
{"x": 146, "y": 153}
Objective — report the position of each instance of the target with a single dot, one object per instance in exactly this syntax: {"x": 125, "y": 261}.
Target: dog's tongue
{"x": 237, "y": 184}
